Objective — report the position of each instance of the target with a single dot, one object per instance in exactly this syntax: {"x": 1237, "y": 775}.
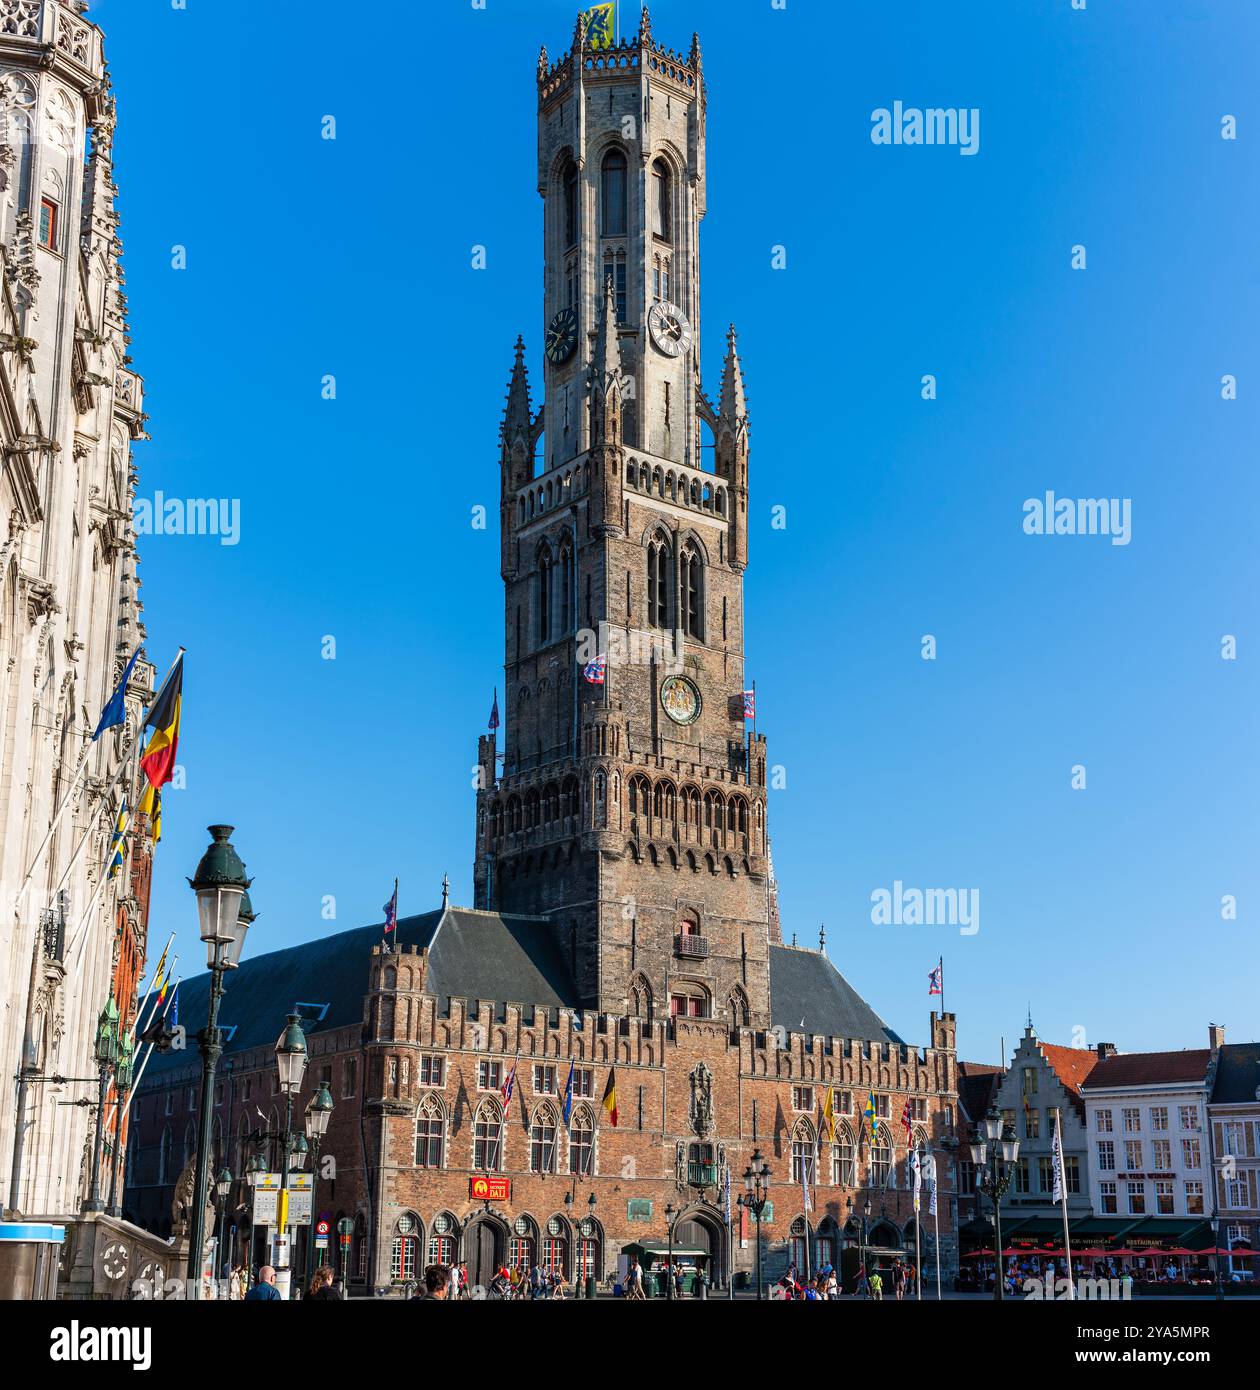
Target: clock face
{"x": 669, "y": 328}
{"x": 680, "y": 699}
{"x": 561, "y": 336}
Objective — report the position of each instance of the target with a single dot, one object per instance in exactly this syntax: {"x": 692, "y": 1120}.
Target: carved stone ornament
{"x": 702, "y": 1100}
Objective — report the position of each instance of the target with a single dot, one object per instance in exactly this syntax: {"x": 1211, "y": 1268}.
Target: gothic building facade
{"x": 624, "y": 917}
{"x": 71, "y": 405}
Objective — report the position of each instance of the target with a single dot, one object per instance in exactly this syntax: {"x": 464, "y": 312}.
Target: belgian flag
{"x": 158, "y": 759}
{"x": 610, "y": 1096}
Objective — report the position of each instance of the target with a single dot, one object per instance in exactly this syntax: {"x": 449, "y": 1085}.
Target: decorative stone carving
{"x": 702, "y": 1100}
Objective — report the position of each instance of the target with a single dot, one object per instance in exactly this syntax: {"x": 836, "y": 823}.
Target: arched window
{"x": 569, "y": 187}
{"x": 691, "y": 574}
{"x": 804, "y": 1154}
{"x": 488, "y": 1137}
{"x": 737, "y": 1009}
{"x": 640, "y": 998}
{"x": 430, "y": 1132}
{"x": 687, "y": 1000}
{"x": 582, "y": 1142}
{"x": 566, "y": 586}
{"x": 544, "y": 595}
{"x": 880, "y": 1159}
{"x": 542, "y": 1141}
{"x": 555, "y": 1247}
{"x": 843, "y": 1168}
{"x": 662, "y": 220}
{"x": 442, "y": 1239}
{"x": 521, "y": 1244}
{"x": 613, "y": 194}
{"x": 658, "y": 581}
{"x": 404, "y": 1255}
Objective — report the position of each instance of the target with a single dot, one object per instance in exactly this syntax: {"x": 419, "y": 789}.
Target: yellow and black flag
{"x": 158, "y": 759}
{"x": 151, "y": 806}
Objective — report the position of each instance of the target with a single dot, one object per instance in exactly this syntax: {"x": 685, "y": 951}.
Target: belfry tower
{"x": 630, "y": 811}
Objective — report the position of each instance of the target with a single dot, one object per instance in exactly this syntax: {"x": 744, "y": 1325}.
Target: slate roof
{"x": 977, "y": 1086}
{"x": 1149, "y": 1069}
{"x": 472, "y": 955}
{"x": 808, "y": 994}
{"x": 1237, "y": 1074}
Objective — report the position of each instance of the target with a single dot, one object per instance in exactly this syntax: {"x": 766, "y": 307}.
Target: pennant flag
{"x": 159, "y": 975}
{"x": 151, "y": 806}
{"x": 871, "y": 1119}
{"x": 599, "y": 26}
{"x": 175, "y": 1007}
{"x": 391, "y": 910}
{"x": 594, "y": 670}
{"x": 610, "y": 1097}
{"x": 119, "y": 840}
{"x": 158, "y": 759}
{"x": 929, "y": 1177}
{"x": 494, "y": 710}
{"x": 907, "y": 1123}
{"x": 935, "y": 984}
{"x": 508, "y": 1087}
{"x": 115, "y": 712}
{"x": 829, "y": 1114}
{"x": 161, "y": 986}
{"x": 750, "y": 704}
{"x": 916, "y": 1170}
{"x": 568, "y": 1097}
{"x": 1057, "y": 1161}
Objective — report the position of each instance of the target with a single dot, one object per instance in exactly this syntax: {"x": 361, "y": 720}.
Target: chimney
{"x": 1216, "y": 1036}
{"x": 1105, "y": 1049}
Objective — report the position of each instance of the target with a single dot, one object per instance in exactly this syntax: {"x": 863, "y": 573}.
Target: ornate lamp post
{"x": 1001, "y": 1151}
{"x": 106, "y": 1053}
{"x": 753, "y": 1199}
{"x": 223, "y": 1186}
{"x": 220, "y": 885}
{"x": 123, "y": 1073}
{"x": 671, "y": 1213}
{"x": 318, "y": 1112}
{"x": 290, "y": 1068}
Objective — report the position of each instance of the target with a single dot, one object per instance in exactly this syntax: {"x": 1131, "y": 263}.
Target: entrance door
{"x": 483, "y": 1253}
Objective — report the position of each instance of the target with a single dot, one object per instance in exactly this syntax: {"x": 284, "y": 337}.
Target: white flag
{"x": 916, "y": 1169}
{"x": 929, "y": 1177}
{"x": 1057, "y": 1161}
{"x": 805, "y": 1184}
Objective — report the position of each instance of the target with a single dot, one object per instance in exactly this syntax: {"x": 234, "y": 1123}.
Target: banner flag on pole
{"x": 568, "y": 1097}
{"x": 935, "y": 983}
{"x": 158, "y": 759}
{"x": 115, "y": 711}
{"x": 599, "y": 26}
{"x": 916, "y": 1168}
{"x": 494, "y": 710}
{"x": 610, "y": 1096}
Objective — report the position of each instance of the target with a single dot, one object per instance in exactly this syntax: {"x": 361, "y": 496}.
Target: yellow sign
{"x": 282, "y": 1213}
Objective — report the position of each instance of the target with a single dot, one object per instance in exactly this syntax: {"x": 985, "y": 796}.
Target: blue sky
{"x": 1100, "y": 909}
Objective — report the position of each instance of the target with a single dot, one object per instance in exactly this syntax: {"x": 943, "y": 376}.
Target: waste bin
{"x": 29, "y": 1254}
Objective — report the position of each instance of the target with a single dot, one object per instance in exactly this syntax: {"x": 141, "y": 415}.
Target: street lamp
{"x": 106, "y": 1053}
{"x": 123, "y": 1072}
{"x": 223, "y": 1186}
{"x": 1001, "y": 1152}
{"x": 291, "y": 1062}
{"x": 220, "y": 885}
{"x": 318, "y": 1113}
{"x": 753, "y": 1199}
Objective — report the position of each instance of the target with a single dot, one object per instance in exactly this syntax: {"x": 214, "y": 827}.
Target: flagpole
{"x": 145, "y": 1060}
{"x": 149, "y": 991}
{"x": 1062, "y": 1175}
{"x": 936, "y": 1226}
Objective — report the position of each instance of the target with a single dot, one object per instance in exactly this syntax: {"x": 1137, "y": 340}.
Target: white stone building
{"x": 70, "y": 409}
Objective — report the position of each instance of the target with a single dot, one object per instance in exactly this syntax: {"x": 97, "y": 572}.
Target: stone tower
{"x": 630, "y": 812}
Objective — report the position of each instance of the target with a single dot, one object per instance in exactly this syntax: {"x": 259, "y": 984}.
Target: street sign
{"x": 345, "y": 1227}
{"x": 321, "y": 1242}
{"x": 322, "y": 1228}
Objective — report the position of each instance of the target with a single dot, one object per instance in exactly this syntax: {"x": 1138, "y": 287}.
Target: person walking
{"x": 634, "y": 1279}
{"x": 877, "y": 1286}
{"x": 863, "y": 1286}
{"x": 535, "y": 1282}
{"x": 264, "y": 1291}
{"x": 322, "y": 1285}
{"x": 678, "y": 1281}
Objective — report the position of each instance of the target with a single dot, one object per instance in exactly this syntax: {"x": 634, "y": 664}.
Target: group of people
{"x": 825, "y": 1284}
{"x": 451, "y": 1282}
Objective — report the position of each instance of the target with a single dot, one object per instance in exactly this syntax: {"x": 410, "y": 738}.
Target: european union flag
{"x": 115, "y": 712}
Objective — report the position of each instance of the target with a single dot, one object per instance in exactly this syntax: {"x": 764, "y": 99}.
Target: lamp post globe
{"x": 219, "y": 882}
{"x": 318, "y": 1112}
{"x": 291, "y": 1056}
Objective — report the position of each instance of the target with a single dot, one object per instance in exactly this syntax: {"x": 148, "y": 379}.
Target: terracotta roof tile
{"x": 1150, "y": 1068}
{"x": 1071, "y": 1064}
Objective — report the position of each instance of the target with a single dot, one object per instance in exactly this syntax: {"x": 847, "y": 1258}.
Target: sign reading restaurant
{"x": 490, "y": 1189}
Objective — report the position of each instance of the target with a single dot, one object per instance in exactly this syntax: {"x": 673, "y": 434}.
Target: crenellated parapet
{"x": 617, "y": 60}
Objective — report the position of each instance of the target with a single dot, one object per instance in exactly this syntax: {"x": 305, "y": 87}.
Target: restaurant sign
{"x": 485, "y": 1189}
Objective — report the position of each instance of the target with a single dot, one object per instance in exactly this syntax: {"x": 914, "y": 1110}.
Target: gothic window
{"x": 843, "y": 1167}
{"x": 662, "y": 220}
{"x": 544, "y": 595}
{"x": 555, "y": 1247}
{"x": 430, "y": 1133}
{"x": 658, "y": 581}
{"x": 880, "y": 1162}
{"x": 542, "y": 1141}
{"x": 488, "y": 1138}
{"x": 640, "y": 998}
{"x": 521, "y": 1244}
{"x": 737, "y": 1009}
{"x": 688, "y": 1000}
{"x": 613, "y": 194}
{"x": 582, "y": 1142}
{"x": 615, "y": 270}
{"x": 804, "y": 1153}
{"x": 692, "y": 577}
{"x": 48, "y": 223}
{"x": 531, "y": 810}
{"x": 570, "y": 197}
{"x": 566, "y": 586}
{"x": 405, "y": 1251}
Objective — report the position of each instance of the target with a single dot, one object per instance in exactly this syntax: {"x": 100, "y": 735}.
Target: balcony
{"x": 691, "y": 946}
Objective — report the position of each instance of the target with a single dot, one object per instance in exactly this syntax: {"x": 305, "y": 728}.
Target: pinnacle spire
{"x": 645, "y": 26}
{"x": 542, "y": 61}
{"x": 694, "y": 57}
{"x": 732, "y": 406}
{"x": 518, "y": 416}
{"x": 607, "y": 364}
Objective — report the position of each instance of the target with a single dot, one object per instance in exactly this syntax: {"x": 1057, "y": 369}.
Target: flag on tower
{"x": 494, "y": 710}
{"x": 594, "y": 670}
{"x": 599, "y": 26}
{"x": 750, "y": 703}
{"x": 610, "y": 1096}
{"x": 115, "y": 711}
{"x": 391, "y": 915}
{"x": 935, "y": 980}
{"x": 508, "y": 1087}
{"x": 158, "y": 759}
